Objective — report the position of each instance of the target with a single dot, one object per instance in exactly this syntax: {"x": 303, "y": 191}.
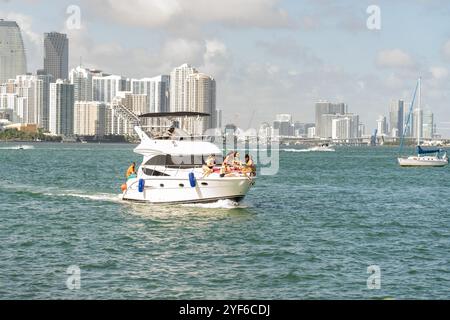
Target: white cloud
{"x": 394, "y": 58}
{"x": 210, "y": 56}
{"x": 439, "y": 73}
{"x": 393, "y": 81}
{"x": 217, "y": 60}
{"x": 289, "y": 49}
{"x": 177, "y": 14}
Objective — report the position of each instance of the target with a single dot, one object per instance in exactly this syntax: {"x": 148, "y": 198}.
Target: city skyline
{"x": 254, "y": 71}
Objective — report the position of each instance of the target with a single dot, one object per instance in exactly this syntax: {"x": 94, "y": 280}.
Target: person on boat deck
{"x": 249, "y": 166}
{"x": 169, "y": 133}
{"x": 231, "y": 161}
{"x": 131, "y": 170}
{"x": 208, "y": 167}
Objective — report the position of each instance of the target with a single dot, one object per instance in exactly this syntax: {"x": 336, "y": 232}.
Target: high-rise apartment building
{"x": 81, "y": 78}
{"x": 428, "y": 126}
{"x": 46, "y": 80}
{"x": 157, "y": 91}
{"x": 90, "y": 118}
{"x": 396, "y": 116}
{"x": 345, "y": 127}
{"x": 283, "y": 125}
{"x": 382, "y": 126}
{"x": 200, "y": 93}
{"x": 61, "y": 113}
{"x": 324, "y": 112}
{"x": 178, "y": 76}
{"x": 12, "y": 51}
{"x": 56, "y": 55}
{"x": 106, "y": 88}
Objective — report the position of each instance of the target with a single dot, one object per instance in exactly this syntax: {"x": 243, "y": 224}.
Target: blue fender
{"x": 141, "y": 185}
{"x": 192, "y": 180}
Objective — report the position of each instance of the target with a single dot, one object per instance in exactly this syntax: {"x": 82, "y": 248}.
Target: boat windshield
{"x": 170, "y": 133}
{"x": 181, "y": 161}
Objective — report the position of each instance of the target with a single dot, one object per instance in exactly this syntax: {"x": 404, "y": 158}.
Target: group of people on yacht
{"x": 230, "y": 166}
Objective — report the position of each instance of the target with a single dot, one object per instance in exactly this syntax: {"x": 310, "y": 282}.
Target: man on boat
{"x": 248, "y": 167}
{"x": 131, "y": 170}
{"x": 208, "y": 167}
{"x": 169, "y": 133}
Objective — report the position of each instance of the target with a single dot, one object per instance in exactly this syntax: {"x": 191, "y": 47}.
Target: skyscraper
{"x": 106, "y": 88}
{"x": 283, "y": 123}
{"x": 61, "y": 115}
{"x": 219, "y": 119}
{"x": 323, "y": 122}
{"x": 382, "y": 127}
{"x": 31, "y": 89}
{"x": 417, "y": 123}
{"x": 345, "y": 127}
{"x": 81, "y": 78}
{"x": 427, "y": 124}
{"x": 56, "y": 55}
{"x": 12, "y": 52}
{"x": 46, "y": 80}
{"x": 90, "y": 118}
{"x": 178, "y": 78}
{"x": 396, "y": 118}
{"x": 157, "y": 91}
{"x": 200, "y": 95}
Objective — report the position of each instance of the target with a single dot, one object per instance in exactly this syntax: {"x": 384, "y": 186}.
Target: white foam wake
{"x": 25, "y": 147}
{"x": 109, "y": 197}
{"x": 309, "y": 150}
{"x": 220, "y": 204}
{"x": 297, "y": 150}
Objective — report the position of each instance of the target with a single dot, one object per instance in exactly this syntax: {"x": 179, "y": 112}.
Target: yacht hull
{"x": 422, "y": 162}
{"x": 170, "y": 190}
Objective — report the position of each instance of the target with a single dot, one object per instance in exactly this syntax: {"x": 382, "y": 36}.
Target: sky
{"x": 267, "y": 56}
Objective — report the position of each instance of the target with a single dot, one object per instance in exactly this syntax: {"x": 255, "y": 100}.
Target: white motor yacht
{"x": 171, "y": 172}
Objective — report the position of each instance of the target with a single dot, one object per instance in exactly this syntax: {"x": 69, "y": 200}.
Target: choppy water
{"x": 309, "y": 232}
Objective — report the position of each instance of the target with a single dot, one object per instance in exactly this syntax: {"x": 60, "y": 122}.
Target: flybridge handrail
{"x": 177, "y": 114}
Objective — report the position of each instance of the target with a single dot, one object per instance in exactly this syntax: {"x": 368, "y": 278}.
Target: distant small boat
{"x": 23, "y": 147}
{"x": 322, "y": 148}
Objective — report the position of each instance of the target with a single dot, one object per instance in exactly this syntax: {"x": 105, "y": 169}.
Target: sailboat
{"x": 424, "y": 157}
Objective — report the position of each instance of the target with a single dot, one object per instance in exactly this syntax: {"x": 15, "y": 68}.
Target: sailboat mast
{"x": 419, "y": 127}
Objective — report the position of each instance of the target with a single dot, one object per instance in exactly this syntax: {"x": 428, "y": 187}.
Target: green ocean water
{"x": 309, "y": 232}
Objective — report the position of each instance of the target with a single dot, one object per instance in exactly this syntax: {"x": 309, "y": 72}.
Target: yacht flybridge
{"x": 171, "y": 170}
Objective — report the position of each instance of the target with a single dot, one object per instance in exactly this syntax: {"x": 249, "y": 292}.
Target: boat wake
{"x": 108, "y": 197}
{"x": 309, "y": 150}
{"x": 297, "y": 150}
{"x": 220, "y": 204}
{"x": 17, "y": 148}
{"x": 9, "y": 187}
